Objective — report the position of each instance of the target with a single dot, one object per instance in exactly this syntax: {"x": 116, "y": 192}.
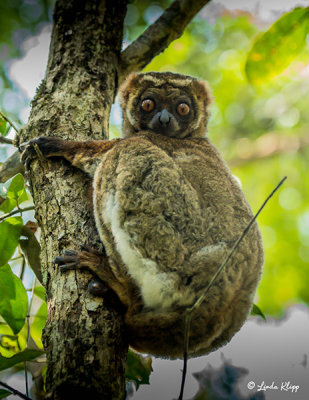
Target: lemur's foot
{"x": 105, "y": 283}
{"x": 72, "y": 259}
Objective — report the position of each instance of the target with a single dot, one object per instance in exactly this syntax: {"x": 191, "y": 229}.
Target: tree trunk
{"x": 83, "y": 338}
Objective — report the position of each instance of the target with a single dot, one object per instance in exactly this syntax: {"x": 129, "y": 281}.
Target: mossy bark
{"x": 83, "y": 338}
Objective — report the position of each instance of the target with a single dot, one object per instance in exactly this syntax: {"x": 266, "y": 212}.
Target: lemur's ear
{"x": 128, "y": 86}
{"x": 203, "y": 91}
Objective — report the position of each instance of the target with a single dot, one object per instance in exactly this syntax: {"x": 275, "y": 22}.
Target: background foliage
{"x": 259, "y": 122}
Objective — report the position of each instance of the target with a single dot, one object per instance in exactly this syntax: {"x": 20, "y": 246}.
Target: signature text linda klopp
{"x": 283, "y": 386}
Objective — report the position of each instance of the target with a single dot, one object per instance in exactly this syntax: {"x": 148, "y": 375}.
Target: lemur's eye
{"x": 148, "y": 105}
{"x": 183, "y": 109}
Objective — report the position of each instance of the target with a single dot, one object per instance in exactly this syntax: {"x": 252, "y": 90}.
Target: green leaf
{"x": 39, "y": 291}
{"x": 8, "y": 205}
{"x": 17, "y": 186}
{"x": 14, "y": 192}
{"x": 11, "y": 344}
{"x": 23, "y": 196}
{"x": 274, "y": 50}
{"x": 38, "y": 325}
{"x": 3, "y": 127}
{"x": 13, "y": 299}
{"x": 4, "y": 393}
{"x": 138, "y": 368}
{"x": 26, "y": 355}
{"x": 10, "y": 230}
{"x": 257, "y": 311}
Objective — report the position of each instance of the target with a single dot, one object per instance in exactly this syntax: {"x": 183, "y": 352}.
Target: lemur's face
{"x": 168, "y": 104}
{"x": 167, "y": 111}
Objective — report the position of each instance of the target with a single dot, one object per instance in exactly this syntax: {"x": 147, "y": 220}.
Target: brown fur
{"x": 168, "y": 211}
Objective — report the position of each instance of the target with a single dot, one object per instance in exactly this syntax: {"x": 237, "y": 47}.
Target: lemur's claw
{"x": 68, "y": 261}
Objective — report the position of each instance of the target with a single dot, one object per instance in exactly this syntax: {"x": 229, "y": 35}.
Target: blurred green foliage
{"x": 262, "y": 131}
{"x": 274, "y": 50}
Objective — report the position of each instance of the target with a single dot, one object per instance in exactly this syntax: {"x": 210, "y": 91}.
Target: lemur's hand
{"x": 43, "y": 146}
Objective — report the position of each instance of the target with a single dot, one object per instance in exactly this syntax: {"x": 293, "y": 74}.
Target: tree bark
{"x": 83, "y": 338}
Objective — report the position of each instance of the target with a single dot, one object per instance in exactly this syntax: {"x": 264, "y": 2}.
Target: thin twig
{"x": 4, "y": 216}
{"x": 17, "y": 258}
{"x": 10, "y": 122}
{"x": 14, "y": 391}
{"x": 198, "y": 302}
{"x": 185, "y": 353}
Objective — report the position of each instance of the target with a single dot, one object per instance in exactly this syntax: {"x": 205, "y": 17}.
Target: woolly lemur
{"x": 168, "y": 211}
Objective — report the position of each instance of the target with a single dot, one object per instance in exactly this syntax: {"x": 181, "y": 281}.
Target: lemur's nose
{"x": 165, "y": 117}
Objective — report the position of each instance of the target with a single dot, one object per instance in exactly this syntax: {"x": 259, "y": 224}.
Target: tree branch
{"x": 158, "y": 36}
{"x": 20, "y": 210}
{"x": 11, "y": 167}
{"x": 14, "y": 391}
